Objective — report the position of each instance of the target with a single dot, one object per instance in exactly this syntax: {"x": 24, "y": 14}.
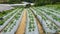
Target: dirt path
{"x": 40, "y": 28}
{"x": 22, "y": 25}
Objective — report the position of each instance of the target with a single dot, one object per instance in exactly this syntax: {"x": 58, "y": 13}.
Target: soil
{"x": 21, "y": 28}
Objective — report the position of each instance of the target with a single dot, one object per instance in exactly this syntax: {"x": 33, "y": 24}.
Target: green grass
{"x": 5, "y": 12}
{"x": 55, "y": 6}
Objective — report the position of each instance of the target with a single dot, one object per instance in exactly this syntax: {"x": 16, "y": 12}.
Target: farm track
{"x": 40, "y": 28}
{"x": 21, "y": 28}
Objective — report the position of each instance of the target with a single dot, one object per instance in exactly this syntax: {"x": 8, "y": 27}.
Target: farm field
{"x": 32, "y": 20}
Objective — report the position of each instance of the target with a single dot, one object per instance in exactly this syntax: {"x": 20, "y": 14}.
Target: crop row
{"x": 46, "y": 21}
{"x": 6, "y": 17}
{"x": 31, "y": 26}
{"x": 11, "y": 25}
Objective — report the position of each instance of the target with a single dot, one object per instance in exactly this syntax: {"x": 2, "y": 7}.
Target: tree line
{"x": 44, "y": 2}
{"x": 37, "y": 2}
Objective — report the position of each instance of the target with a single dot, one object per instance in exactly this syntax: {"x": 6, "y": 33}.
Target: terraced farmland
{"x": 33, "y": 20}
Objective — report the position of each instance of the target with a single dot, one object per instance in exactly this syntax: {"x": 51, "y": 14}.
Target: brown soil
{"x": 21, "y": 28}
{"x": 41, "y": 31}
{"x": 40, "y": 28}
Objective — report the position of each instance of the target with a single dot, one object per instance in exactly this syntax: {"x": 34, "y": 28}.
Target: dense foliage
{"x": 44, "y": 2}
{"x": 37, "y": 2}
{"x": 14, "y": 1}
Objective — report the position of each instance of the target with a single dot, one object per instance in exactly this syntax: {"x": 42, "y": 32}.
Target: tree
{"x": 44, "y": 2}
{"x": 14, "y": 1}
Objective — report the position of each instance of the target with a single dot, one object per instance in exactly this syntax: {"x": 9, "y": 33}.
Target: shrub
{"x": 28, "y": 5}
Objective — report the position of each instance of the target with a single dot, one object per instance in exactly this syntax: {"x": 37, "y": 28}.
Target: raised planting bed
{"x": 31, "y": 26}
{"x": 49, "y": 17}
{"x": 6, "y": 17}
{"x": 52, "y": 10}
{"x": 48, "y": 25}
{"x": 14, "y": 11}
{"x": 55, "y": 17}
{"x": 7, "y": 21}
{"x": 13, "y": 24}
